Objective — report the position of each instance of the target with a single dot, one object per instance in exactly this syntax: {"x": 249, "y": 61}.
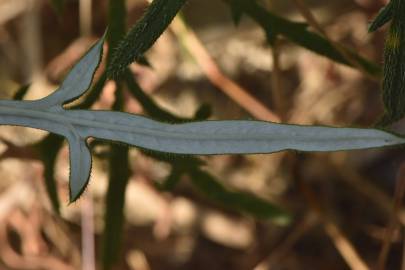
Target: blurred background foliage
{"x": 144, "y": 210}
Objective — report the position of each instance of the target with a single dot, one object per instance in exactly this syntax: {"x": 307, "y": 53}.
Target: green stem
{"x": 117, "y": 22}
{"x": 119, "y": 171}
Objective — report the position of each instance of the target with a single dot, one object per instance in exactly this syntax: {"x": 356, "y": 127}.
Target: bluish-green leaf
{"x": 209, "y": 137}
{"x": 77, "y": 82}
{"x": 80, "y": 165}
{"x": 205, "y": 138}
{"x": 94, "y": 93}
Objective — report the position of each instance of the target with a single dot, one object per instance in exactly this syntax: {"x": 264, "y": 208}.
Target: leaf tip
{"x": 75, "y": 194}
{"x": 384, "y": 16}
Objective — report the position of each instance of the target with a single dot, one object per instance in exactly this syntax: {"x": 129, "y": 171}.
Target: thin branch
{"x": 85, "y": 17}
{"x": 87, "y": 209}
{"x": 215, "y": 75}
{"x": 403, "y": 250}
{"x": 340, "y": 241}
{"x": 11, "y": 9}
{"x": 393, "y": 223}
{"x": 88, "y": 241}
{"x": 31, "y": 41}
{"x": 278, "y": 253}
{"x": 276, "y": 81}
{"x": 278, "y": 100}
{"x": 313, "y": 22}
{"x": 366, "y": 188}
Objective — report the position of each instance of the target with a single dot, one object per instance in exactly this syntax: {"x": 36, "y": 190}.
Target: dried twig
{"x": 313, "y": 22}
{"x": 393, "y": 223}
{"x": 288, "y": 243}
{"x": 88, "y": 243}
{"x": 340, "y": 241}
{"x": 214, "y": 74}
{"x": 366, "y": 188}
{"x": 85, "y": 17}
{"x": 343, "y": 245}
{"x": 9, "y": 9}
{"x": 31, "y": 41}
{"x": 87, "y": 209}
{"x": 276, "y": 81}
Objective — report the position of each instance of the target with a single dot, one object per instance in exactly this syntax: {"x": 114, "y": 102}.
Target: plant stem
{"x": 119, "y": 168}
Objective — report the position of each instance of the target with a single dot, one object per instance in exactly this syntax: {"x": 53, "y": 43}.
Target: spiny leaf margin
{"x": 143, "y": 34}
{"x": 394, "y": 67}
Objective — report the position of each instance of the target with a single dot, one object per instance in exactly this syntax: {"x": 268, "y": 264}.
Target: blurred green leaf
{"x": 114, "y": 216}
{"x": 183, "y": 162}
{"x": 172, "y": 180}
{"x": 241, "y": 201}
{"x": 150, "y": 107}
{"x": 49, "y": 148}
{"x": 203, "y": 113}
{"x": 58, "y": 5}
{"x": 144, "y": 62}
{"x": 299, "y": 34}
{"x": 19, "y": 95}
{"x": 383, "y": 17}
{"x": 237, "y": 11}
{"x": 143, "y": 34}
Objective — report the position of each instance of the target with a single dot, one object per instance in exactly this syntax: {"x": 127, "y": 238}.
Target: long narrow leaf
{"x": 117, "y": 23}
{"x": 221, "y": 137}
{"x": 148, "y": 104}
{"x": 394, "y": 66}
{"x": 383, "y": 17}
{"x": 207, "y": 137}
{"x": 241, "y": 201}
{"x": 58, "y": 5}
{"x": 115, "y": 200}
{"x": 21, "y": 92}
{"x": 119, "y": 172}
{"x": 297, "y": 33}
{"x": 49, "y": 149}
{"x": 145, "y": 32}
